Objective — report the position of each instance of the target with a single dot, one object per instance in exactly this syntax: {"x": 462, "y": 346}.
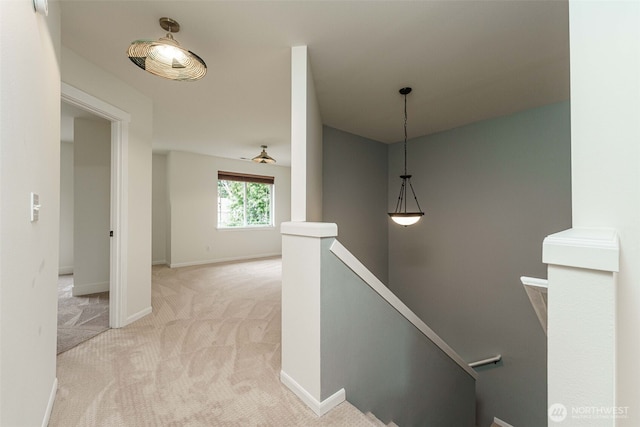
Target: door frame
{"x": 118, "y": 284}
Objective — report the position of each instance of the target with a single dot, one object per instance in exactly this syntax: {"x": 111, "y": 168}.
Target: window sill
{"x": 267, "y": 228}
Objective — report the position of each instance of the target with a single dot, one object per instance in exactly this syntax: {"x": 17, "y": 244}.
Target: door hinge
{"x": 111, "y": 233}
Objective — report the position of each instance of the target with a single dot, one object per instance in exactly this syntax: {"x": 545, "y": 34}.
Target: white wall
{"x": 92, "y": 197}
{"x": 159, "y": 210}
{"x": 65, "y": 245}
{"x": 192, "y": 180}
{"x": 86, "y": 76}
{"x": 306, "y": 141}
{"x": 314, "y": 151}
{"x": 29, "y": 162}
{"x": 605, "y": 129}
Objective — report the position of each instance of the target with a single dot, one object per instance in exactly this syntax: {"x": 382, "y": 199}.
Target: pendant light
{"x": 401, "y": 215}
{"x": 165, "y": 57}
{"x": 263, "y": 157}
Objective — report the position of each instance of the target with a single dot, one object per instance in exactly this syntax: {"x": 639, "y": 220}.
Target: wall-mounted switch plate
{"x": 35, "y": 207}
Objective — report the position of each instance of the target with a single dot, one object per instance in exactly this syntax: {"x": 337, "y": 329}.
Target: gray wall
{"x": 355, "y": 196}
{"x": 385, "y": 364}
{"x": 491, "y": 192}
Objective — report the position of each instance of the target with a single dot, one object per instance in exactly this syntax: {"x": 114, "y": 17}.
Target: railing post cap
{"x": 309, "y": 229}
{"x": 589, "y": 248}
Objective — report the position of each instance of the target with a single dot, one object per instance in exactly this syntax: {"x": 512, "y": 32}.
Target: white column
{"x": 306, "y": 141}
{"x": 301, "y": 275}
{"x": 605, "y": 167}
{"x": 582, "y": 326}
{"x": 299, "y": 63}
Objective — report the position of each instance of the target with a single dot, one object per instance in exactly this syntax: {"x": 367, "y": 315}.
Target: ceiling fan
{"x": 263, "y": 157}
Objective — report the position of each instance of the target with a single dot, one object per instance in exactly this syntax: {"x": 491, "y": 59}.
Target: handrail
{"x": 359, "y": 269}
{"x": 534, "y": 281}
{"x": 490, "y": 360}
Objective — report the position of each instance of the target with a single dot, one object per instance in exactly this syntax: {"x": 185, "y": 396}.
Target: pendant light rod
{"x": 405, "y": 91}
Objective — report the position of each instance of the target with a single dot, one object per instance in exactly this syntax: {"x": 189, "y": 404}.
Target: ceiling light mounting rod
{"x": 405, "y": 91}
{"x": 401, "y": 215}
{"x": 170, "y": 25}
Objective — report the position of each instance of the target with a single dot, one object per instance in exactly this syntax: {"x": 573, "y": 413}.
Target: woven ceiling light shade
{"x": 165, "y": 57}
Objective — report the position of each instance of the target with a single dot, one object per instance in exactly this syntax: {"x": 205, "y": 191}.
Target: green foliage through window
{"x": 244, "y": 204}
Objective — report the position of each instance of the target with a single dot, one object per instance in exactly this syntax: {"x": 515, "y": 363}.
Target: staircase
{"x": 346, "y": 336}
{"x": 376, "y": 422}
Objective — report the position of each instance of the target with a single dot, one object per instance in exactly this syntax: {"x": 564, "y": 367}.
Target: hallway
{"x": 208, "y": 355}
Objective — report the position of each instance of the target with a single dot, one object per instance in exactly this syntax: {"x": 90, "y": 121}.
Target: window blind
{"x": 245, "y": 177}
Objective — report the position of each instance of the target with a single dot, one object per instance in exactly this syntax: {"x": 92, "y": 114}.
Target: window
{"x": 244, "y": 200}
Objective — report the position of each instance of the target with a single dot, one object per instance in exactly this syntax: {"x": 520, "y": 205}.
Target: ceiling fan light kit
{"x": 165, "y": 57}
{"x": 263, "y": 157}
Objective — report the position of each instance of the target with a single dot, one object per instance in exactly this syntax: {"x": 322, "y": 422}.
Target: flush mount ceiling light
{"x": 165, "y": 57}
{"x": 263, "y": 157}
{"x": 401, "y": 215}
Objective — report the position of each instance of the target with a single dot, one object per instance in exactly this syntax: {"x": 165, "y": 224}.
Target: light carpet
{"x": 208, "y": 355}
{"x": 79, "y": 318}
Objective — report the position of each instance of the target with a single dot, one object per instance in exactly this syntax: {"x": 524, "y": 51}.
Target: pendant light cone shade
{"x": 402, "y": 215}
{"x": 263, "y": 157}
{"x": 165, "y": 57}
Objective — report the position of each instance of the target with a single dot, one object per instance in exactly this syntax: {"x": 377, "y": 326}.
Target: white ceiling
{"x": 466, "y": 61}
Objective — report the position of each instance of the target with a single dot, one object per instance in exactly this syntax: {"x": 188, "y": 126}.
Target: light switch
{"x": 35, "y": 207}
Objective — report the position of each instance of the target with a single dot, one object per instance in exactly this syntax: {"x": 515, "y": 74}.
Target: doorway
{"x": 85, "y": 195}
{"x": 119, "y": 127}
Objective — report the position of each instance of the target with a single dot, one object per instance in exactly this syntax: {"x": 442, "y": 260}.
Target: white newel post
{"x": 582, "y": 326}
{"x": 301, "y": 274}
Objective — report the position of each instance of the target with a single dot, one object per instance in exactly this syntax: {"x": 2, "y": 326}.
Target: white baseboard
{"x": 139, "y": 315}
{"x": 89, "y": 288}
{"x": 159, "y": 262}
{"x": 52, "y": 398}
{"x": 220, "y": 260}
{"x": 320, "y": 408}
{"x": 62, "y": 271}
